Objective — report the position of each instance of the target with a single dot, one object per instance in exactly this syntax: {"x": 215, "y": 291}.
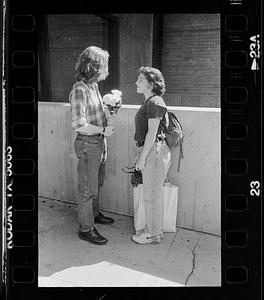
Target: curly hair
{"x": 92, "y": 65}
{"x": 154, "y": 76}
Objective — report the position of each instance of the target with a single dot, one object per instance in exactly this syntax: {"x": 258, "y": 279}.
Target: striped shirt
{"x": 86, "y": 105}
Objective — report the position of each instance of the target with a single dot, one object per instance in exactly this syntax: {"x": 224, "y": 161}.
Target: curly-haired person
{"x": 153, "y": 155}
{"x": 89, "y": 120}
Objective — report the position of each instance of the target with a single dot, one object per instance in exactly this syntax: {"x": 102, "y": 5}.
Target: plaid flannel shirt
{"x": 86, "y": 106}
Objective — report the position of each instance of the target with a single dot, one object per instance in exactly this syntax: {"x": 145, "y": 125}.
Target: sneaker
{"x": 146, "y": 238}
{"x": 161, "y": 235}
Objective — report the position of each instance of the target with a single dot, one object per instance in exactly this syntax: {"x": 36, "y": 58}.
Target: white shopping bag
{"x": 169, "y": 208}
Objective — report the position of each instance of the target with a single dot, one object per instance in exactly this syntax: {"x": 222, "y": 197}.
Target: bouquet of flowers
{"x": 113, "y": 101}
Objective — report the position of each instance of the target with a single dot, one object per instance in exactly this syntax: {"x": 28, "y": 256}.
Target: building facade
{"x": 186, "y": 48}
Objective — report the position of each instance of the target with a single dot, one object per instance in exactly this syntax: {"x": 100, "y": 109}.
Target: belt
{"x": 100, "y": 135}
{"x": 141, "y": 143}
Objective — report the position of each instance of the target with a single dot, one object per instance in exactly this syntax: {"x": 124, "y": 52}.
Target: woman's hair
{"x": 154, "y": 76}
{"x": 92, "y": 65}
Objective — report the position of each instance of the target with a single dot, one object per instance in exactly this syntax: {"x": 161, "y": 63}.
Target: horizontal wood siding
{"x": 191, "y": 59}
{"x": 68, "y": 36}
{"x": 190, "y": 54}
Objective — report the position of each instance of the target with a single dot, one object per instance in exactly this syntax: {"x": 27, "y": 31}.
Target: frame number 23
{"x": 254, "y": 188}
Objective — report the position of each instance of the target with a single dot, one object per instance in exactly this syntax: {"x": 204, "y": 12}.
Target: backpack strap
{"x": 180, "y": 156}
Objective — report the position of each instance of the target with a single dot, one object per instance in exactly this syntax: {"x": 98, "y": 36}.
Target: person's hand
{"x": 109, "y": 130}
{"x": 140, "y": 164}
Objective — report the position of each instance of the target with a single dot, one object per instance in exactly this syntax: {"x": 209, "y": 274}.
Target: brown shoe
{"x": 101, "y": 219}
{"x": 92, "y": 236}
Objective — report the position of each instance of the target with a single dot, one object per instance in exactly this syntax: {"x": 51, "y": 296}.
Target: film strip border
{"x": 241, "y": 148}
{"x": 241, "y": 145}
{"x": 21, "y": 150}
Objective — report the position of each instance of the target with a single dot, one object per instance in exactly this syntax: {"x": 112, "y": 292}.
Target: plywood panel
{"x": 57, "y": 162}
{"x": 198, "y": 179}
{"x": 121, "y": 154}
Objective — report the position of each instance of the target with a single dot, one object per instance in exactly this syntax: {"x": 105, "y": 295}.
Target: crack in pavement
{"x": 193, "y": 262}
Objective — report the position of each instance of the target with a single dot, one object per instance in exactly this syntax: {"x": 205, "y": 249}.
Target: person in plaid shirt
{"x": 90, "y": 121}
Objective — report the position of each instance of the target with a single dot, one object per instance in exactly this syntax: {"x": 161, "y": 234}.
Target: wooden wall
{"x": 190, "y": 54}
{"x": 57, "y": 162}
{"x": 193, "y": 42}
{"x": 198, "y": 180}
{"x": 191, "y": 59}
{"x": 135, "y": 51}
{"x": 68, "y": 36}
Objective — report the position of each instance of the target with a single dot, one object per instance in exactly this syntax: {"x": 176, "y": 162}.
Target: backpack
{"x": 174, "y": 133}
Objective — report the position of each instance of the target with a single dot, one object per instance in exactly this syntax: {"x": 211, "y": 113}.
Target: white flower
{"x": 117, "y": 96}
{"x": 116, "y": 92}
{"x": 108, "y": 99}
{"x": 113, "y": 99}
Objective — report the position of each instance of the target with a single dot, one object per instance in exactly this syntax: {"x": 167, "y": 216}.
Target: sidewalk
{"x": 183, "y": 258}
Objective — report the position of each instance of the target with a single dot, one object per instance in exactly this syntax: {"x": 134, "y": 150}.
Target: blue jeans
{"x": 91, "y": 152}
{"x": 154, "y": 174}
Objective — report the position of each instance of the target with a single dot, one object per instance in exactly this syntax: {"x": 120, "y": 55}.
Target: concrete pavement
{"x": 184, "y": 258}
